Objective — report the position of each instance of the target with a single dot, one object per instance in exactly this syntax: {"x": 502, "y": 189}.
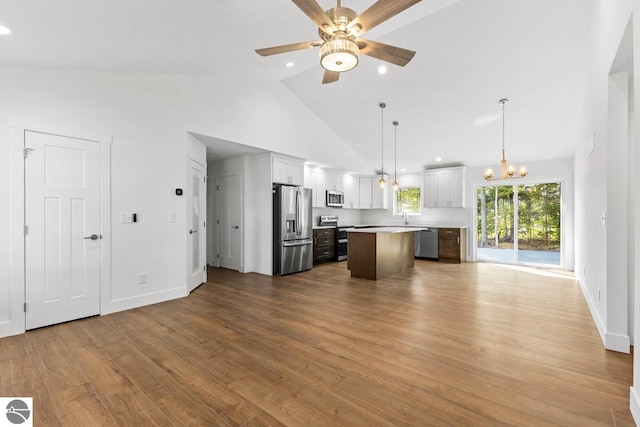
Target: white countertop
{"x": 320, "y": 227}
{"x": 415, "y": 225}
{"x": 399, "y": 229}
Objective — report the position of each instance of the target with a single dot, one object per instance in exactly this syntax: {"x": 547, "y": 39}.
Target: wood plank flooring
{"x": 445, "y": 345}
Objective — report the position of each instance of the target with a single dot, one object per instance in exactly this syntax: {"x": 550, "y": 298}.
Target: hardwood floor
{"x": 445, "y": 344}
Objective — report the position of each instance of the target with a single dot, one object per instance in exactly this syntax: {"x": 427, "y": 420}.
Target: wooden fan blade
{"x": 385, "y": 52}
{"x": 288, "y": 48}
{"x": 313, "y": 10}
{"x": 379, "y": 12}
{"x": 330, "y": 76}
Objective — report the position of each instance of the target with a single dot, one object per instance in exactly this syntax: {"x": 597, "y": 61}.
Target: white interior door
{"x": 229, "y": 215}
{"x": 62, "y": 212}
{"x": 196, "y": 217}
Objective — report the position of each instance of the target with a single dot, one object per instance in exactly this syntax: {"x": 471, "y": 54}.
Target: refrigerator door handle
{"x": 297, "y": 243}
{"x": 298, "y": 230}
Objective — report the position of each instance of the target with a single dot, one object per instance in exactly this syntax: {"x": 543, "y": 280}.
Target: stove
{"x": 342, "y": 247}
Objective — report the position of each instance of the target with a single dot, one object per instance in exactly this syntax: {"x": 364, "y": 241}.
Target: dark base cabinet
{"x": 324, "y": 245}
{"x": 452, "y": 245}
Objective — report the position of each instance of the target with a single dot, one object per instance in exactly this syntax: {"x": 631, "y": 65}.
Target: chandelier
{"x": 506, "y": 171}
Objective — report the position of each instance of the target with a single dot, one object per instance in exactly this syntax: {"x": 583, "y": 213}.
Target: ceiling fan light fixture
{"x": 339, "y": 54}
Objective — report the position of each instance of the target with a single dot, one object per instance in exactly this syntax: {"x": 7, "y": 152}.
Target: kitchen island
{"x": 378, "y": 252}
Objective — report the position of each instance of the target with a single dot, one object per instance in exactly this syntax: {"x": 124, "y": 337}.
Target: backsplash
{"x": 455, "y": 217}
{"x": 345, "y": 216}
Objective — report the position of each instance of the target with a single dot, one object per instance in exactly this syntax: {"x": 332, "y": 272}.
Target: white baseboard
{"x": 142, "y": 300}
{"x": 594, "y": 314}
{"x": 246, "y": 268}
{"x": 615, "y": 342}
{"x": 634, "y": 405}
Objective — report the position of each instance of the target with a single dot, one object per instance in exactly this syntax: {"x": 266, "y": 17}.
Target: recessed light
{"x": 403, "y": 169}
{"x": 289, "y": 64}
{"x": 4, "y": 30}
{"x": 438, "y": 159}
{"x": 382, "y": 69}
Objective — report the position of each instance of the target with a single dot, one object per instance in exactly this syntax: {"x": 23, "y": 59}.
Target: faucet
{"x": 405, "y": 217}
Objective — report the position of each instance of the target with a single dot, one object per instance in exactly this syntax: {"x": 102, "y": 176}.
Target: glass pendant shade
{"x": 382, "y": 182}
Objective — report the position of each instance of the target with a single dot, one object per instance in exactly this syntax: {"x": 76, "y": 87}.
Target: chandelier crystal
{"x": 506, "y": 171}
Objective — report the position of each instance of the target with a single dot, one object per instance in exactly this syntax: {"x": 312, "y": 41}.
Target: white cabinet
{"x": 366, "y": 201}
{"x": 333, "y": 181}
{"x": 314, "y": 179}
{"x": 444, "y": 188}
{"x": 371, "y": 195}
{"x": 430, "y": 189}
{"x": 287, "y": 171}
{"x": 321, "y": 189}
{"x": 379, "y": 196}
{"x": 351, "y": 189}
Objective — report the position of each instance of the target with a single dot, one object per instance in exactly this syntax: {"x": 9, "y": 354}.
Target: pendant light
{"x": 506, "y": 171}
{"x": 382, "y": 182}
{"x": 395, "y": 184}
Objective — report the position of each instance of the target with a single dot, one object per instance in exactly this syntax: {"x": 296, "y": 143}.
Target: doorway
{"x": 520, "y": 224}
{"x": 63, "y": 237}
{"x": 196, "y": 224}
{"x": 229, "y": 214}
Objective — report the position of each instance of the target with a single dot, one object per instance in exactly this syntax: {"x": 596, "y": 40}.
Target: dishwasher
{"x": 426, "y": 243}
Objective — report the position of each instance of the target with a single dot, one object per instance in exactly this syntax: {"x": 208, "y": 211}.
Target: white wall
{"x": 148, "y": 117}
{"x": 601, "y": 166}
{"x": 599, "y": 176}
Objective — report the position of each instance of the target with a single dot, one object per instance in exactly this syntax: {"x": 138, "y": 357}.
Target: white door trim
{"x": 202, "y": 236}
{"x": 17, "y": 320}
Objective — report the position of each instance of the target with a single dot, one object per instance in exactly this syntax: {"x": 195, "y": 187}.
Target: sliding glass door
{"x": 519, "y": 224}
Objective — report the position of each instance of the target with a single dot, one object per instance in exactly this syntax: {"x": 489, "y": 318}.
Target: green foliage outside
{"x": 538, "y": 225}
{"x": 408, "y": 200}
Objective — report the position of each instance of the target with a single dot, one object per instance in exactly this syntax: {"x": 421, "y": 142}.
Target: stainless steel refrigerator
{"x": 292, "y": 230}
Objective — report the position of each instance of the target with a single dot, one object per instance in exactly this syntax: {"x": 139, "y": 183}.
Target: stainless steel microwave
{"x": 335, "y": 199}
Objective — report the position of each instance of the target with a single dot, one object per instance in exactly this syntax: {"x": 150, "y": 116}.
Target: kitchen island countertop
{"x": 391, "y": 229}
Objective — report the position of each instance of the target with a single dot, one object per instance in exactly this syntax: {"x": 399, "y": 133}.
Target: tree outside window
{"x": 409, "y": 200}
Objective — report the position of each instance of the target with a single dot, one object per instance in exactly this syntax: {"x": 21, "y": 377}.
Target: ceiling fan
{"x": 340, "y": 29}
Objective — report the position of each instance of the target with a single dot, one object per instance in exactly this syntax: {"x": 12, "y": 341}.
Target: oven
{"x": 342, "y": 246}
{"x": 340, "y": 236}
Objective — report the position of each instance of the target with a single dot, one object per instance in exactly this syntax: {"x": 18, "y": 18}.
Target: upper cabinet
{"x": 444, "y": 188}
{"x": 351, "y": 189}
{"x": 287, "y": 170}
{"x": 314, "y": 179}
{"x": 333, "y": 180}
{"x": 371, "y": 195}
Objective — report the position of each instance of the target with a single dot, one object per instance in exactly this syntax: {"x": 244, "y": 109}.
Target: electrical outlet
{"x": 142, "y": 278}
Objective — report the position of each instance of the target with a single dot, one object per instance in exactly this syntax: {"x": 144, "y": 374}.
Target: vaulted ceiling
{"x": 470, "y": 54}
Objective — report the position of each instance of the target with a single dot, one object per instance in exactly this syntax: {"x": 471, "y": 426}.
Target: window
{"x": 409, "y": 200}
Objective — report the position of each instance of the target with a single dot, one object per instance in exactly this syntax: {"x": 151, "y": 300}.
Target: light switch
{"x": 604, "y": 218}
{"x": 126, "y": 218}
{"x": 172, "y": 217}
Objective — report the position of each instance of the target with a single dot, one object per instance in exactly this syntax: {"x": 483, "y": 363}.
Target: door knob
{"x": 236, "y": 227}
{"x": 193, "y": 231}
{"x": 93, "y": 237}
